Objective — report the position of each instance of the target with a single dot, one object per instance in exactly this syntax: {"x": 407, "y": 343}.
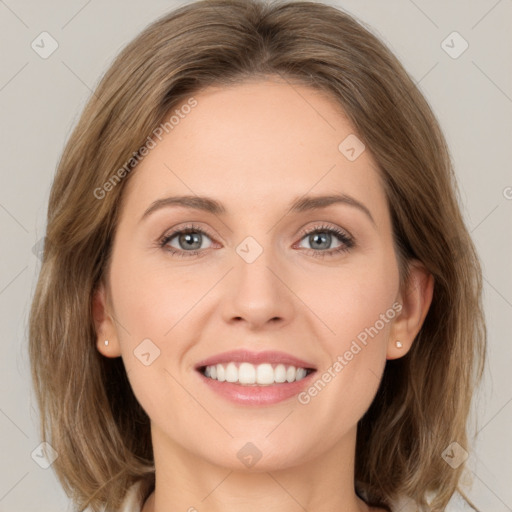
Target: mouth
{"x": 255, "y": 378}
{"x": 248, "y": 374}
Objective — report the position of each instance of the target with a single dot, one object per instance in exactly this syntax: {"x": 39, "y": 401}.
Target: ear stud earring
{"x": 106, "y": 342}
{"x": 398, "y": 344}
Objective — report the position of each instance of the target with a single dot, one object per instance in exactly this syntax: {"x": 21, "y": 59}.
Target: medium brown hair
{"x": 89, "y": 413}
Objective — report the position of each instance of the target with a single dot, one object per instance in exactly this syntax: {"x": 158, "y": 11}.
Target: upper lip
{"x": 267, "y": 356}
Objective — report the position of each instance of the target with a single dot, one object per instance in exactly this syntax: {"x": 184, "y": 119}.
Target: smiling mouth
{"x": 248, "y": 374}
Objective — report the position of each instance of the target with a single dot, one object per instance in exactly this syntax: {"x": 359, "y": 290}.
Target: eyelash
{"x": 347, "y": 241}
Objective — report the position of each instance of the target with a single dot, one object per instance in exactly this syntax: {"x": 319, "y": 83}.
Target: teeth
{"x": 264, "y": 374}
{"x": 248, "y": 374}
{"x": 221, "y": 372}
{"x": 231, "y": 373}
{"x": 280, "y": 373}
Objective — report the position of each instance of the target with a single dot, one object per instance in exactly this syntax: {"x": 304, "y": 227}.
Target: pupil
{"x": 325, "y": 237}
{"x": 190, "y": 238}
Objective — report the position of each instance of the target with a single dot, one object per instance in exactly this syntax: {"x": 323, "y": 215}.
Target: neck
{"x": 184, "y": 481}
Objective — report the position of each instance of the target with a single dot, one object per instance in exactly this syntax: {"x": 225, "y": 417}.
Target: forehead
{"x": 260, "y": 142}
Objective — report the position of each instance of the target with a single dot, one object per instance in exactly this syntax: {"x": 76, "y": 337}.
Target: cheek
{"x": 152, "y": 300}
{"x": 156, "y": 324}
{"x": 352, "y": 298}
{"x": 356, "y": 305}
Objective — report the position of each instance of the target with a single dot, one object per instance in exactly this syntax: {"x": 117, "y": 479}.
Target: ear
{"x": 415, "y": 300}
{"x": 104, "y": 324}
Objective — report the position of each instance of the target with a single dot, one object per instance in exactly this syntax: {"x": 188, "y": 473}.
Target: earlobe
{"x": 106, "y": 334}
{"x": 415, "y": 299}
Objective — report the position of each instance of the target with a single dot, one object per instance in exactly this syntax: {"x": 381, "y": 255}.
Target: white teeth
{"x": 248, "y": 374}
{"x": 221, "y": 373}
{"x": 280, "y": 373}
{"x": 264, "y": 374}
{"x": 301, "y": 373}
{"x": 231, "y": 373}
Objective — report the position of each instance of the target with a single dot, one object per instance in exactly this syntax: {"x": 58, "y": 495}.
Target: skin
{"x": 255, "y": 147}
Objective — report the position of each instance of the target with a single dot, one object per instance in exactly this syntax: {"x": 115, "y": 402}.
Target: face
{"x": 282, "y": 280}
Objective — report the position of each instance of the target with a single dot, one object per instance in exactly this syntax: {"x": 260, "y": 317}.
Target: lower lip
{"x": 257, "y": 395}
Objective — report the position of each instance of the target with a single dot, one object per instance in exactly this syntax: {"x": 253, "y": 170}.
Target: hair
{"x": 89, "y": 413}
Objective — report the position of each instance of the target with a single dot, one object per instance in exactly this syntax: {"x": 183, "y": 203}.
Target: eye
{"x": 321, "y": 237}
{"x": 189, "y": 241}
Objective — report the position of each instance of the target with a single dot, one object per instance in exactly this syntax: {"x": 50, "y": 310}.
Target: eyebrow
{"x": 300, "y": 204}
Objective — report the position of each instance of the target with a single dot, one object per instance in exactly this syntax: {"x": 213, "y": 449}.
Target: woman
{"x": 257, "y": 289}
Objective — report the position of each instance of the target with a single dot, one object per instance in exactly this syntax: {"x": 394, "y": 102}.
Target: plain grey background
{"x": 41, "y": 99}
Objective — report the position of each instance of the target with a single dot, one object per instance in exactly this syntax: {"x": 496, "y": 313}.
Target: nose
{"x": 257, "y": 293}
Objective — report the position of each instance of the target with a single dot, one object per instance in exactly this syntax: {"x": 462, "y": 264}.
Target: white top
{"x": 131, "y": 501}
